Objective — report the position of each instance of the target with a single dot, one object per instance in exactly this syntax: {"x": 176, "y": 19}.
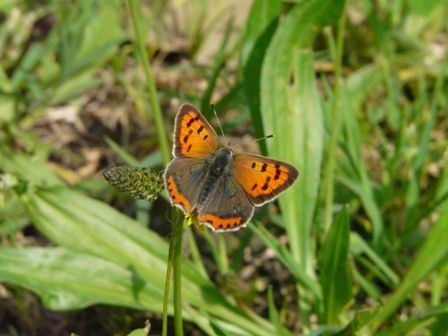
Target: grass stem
{"x": 177, "y": 272}
{"x": 153, "y": 99}
{"x": 166, "y": 289}
{"x": 174, "y": 256}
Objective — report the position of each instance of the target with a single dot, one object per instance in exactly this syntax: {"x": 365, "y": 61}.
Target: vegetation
{"x": 356, "y": 95}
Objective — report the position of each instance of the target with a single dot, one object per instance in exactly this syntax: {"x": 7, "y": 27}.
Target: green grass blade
{"x": 432, "y": 254}
{"x": 413, "y": 322}
{"x": 358, "y": 247}
{"x": 121, "y": 152}
{"x": 218, "y": 66}
{"x": 334, "y": 124}
{"x": 150, "y": 82}
{"x": 286, "y": 258}
{"x": 273, "y": 316}
{"x": 261, "y": 26}
{"x": 334, "y": 268}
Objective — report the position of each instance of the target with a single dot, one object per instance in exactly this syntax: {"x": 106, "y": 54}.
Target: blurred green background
{"x": 356, "y": 95}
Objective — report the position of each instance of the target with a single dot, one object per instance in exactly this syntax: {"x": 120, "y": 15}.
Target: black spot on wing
{"x": 277, "y": 174}
{"x": 190, "y": 122}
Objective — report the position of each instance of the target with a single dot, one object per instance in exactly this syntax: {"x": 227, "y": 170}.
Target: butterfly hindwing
{"x": 184, "y": 179}
{"x": 227, "y": 207}
{"x": 262, "y": 178}
{"x": 193, "y": 135}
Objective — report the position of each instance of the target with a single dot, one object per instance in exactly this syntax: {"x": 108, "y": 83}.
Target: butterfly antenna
{"x": 216, "y": 116}
{"x": 254, "y": 140}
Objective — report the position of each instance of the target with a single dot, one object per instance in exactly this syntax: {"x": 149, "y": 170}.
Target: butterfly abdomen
{"x": 220, "y": 165}
{"x": 205, "y": 192}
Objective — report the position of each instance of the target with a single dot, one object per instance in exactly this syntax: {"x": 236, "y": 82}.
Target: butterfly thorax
{"x": 220, "y": 164}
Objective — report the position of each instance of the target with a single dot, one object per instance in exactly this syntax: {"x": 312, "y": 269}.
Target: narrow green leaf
{"x": 432, "y": 254}
{"x": 121, "y": 152}
{"x": 287, "y": 259}
{"x": 358, "y": 181}
{"x": 414, "y": 322}
{"x": 358, "y": 246}
{"x": 334, "y": 268}
{"x": 291, "y": 110}
{"x": 273, "y": 316}
{"x": 260, "y": 28}
{"x": 218, "y": 66}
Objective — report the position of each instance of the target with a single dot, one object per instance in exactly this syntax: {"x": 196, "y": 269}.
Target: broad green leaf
{"x": 7, "y": 5}
{"x": 424, "y": 7}
{"x": 85, "y": 225}
{"x": 260, "y": 28}
{"x": 138, "y": 332}
{"x": 433, "y": 254}
{"x": 66, "y": 279}
{"x": 440, "y": 325}
{"x": 33, "y": 169}
{"x": 334, "y": 268}
{"x": 291, "y": 111}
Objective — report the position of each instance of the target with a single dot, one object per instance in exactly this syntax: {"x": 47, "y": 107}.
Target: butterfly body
{"x": 222, "y": 187}
{"x": 219, "y": 166}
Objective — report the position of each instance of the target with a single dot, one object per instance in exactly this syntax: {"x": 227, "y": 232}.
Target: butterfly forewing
{"x": 262, "y": 179}
{"x": 227, "y": 207}
{"x": 193, "y": 135}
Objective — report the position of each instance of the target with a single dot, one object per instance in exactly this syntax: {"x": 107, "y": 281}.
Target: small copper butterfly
{"x": 224, "y": 188}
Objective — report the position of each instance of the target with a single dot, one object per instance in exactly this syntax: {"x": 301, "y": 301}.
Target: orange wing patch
{"x": 176, "y": 197}
{"x": 262, "y": 178}
{"x": 193, "y": 136}
{"x": 220, "y": 224}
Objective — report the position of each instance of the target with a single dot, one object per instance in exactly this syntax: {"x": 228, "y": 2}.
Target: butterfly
{"x": 208, "y": 179}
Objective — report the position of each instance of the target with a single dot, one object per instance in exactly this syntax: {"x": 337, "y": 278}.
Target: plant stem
{"x": 153, "y": 99}
{"x": 163, "y": 143}
{"x": 166, "y": 290}
{"x": 177, "y": 271}
{"x": 329, "y": 193}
